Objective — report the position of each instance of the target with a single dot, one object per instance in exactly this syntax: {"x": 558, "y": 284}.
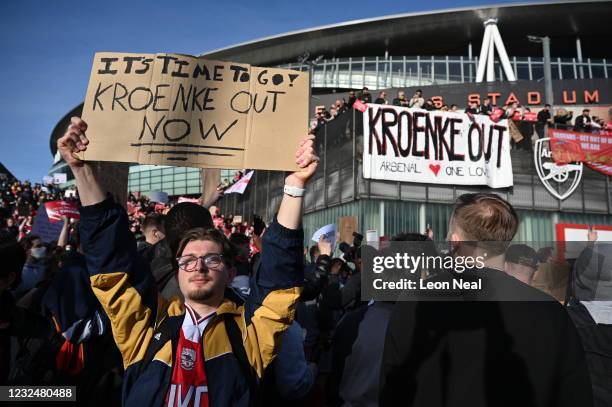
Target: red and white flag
{"x": 240, "y": 186}
{"x": 57, "y": 209}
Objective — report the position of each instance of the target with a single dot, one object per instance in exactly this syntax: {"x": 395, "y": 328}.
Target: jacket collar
{"x": 231, "y": 303}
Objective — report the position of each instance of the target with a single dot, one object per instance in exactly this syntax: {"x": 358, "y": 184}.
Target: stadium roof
{"x": 441, "y": 32}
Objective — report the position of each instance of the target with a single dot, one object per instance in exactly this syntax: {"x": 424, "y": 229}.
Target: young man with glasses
{"x": 213, "y": 349}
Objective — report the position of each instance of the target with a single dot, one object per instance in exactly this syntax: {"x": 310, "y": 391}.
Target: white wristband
{"x": 294, "y": 191}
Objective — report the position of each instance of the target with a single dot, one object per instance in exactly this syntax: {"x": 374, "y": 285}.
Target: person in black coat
{"x": 505, "y": 344}
{"x": 583, "y": 122}
{"x": 544, "y": 118}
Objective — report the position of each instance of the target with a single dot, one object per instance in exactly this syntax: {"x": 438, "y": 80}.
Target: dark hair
{"x": 544, "y": 253}
{"x": 409, "y": 237}
{"x": 419, "y": 90}
{"x": 485, "y": 217}
{"x": 239, "y": 239}
{"x": 313, "y": 249}
{"x": 212, "y": 235}
{"x": 343, "y": 265}
{"x": 522, "y": 254}
{"x": 153, "y": 220}
{"x": 28, "y": 241}
{"x": 13, "y": 258}
{"x": 181, "y": 218}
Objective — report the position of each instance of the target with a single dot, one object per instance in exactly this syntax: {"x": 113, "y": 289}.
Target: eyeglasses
{"x": 190, "y": 262}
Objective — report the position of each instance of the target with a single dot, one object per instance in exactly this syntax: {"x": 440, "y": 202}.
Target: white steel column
{"x": 503, "y": 56}
{"x": 491, "y": 59}
{"x": 484, "y": 50}
{"x": 491, "y": 40}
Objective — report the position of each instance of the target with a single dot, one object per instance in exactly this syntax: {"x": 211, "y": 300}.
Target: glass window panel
{"x": 440, "y": 72}
{"x": 568, "y": 71}
{"x": 194, "y": 175}
{"x": 155, "y": 187}
{"x": 537, "y": 69}
{"x": 156, "y": 172}
{"x": 598, "y": 71}
{"x": 180, "y": 170}
{"x": 180, "y": 191}
{"x": 178, "y": 184}
{"x": 193, "y": 183}
{"x": 156, "y": 179}
{"x": 397, "y": 67}
{"x": 193, "y": 190}
{"x": 555, "y": 70}
{"x": 167, "y": 178}
{"x": 522, "y": 71}
{"x": 167, "y": 171}
{"x": 466, "y": 71}
{"x": 455, "y": 71}
{"x": 411, "y": 70}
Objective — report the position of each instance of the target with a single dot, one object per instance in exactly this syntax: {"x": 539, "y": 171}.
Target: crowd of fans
{"x": 527, "y": 121}
{"x": 330, "y": 355}
{"x": 280, "y": 324}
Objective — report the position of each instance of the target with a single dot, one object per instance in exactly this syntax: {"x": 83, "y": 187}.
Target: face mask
{"x": 38, "y": 252}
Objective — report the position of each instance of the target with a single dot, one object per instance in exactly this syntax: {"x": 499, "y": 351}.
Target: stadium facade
{"x": 437, "y": 52}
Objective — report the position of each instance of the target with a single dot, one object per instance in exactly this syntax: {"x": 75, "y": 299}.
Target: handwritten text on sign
{"x": 182, "y": 110}
{"x": 414, "y": 145}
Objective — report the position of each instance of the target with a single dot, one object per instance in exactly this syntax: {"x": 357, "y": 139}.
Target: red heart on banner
{"x": 434, "y": 168}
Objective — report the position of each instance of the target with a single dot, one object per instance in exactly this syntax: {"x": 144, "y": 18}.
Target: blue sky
{"x": 47, "y": 49}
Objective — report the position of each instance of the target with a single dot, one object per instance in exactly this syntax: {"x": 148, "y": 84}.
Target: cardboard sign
{"x": 346, "y": 226}
{"x": 210, "y": 181}
{"x": 57, "y": 209}
{"x": 237, "y": 220}
{"x": 181, "y": 110}
{"x": 43, "y": 228}
{"x": 414, "y": 145}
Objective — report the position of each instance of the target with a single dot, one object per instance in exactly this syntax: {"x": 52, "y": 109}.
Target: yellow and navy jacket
{"x": 126, "y": 289}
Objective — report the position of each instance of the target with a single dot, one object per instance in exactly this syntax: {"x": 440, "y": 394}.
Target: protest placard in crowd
{"x": 59, "y": 178}
{"x": 45, "y": 229}
{"x": 183, "y": 110}
{"x": 210, "y": 181}
{"x": 346, "y": 226}
{"x": 402, "y": 144}
{"x": 57, "y": 209}
{"x": 327, "y": 232}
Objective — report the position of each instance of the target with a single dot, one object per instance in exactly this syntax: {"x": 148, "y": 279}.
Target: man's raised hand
{"x": 73, "y": 141}
{"x": 307, "y": 160}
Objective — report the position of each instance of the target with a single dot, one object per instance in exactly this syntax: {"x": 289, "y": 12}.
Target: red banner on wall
{"x": 593, "y": 149}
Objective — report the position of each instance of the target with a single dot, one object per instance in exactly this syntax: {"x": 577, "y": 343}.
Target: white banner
{"x": 59, "y": 178}
{"x": 414, "y": 145}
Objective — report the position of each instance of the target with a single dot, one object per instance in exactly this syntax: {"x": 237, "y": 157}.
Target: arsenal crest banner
{"x": 593, "y": 149}
{"x": 415, "y": 145}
